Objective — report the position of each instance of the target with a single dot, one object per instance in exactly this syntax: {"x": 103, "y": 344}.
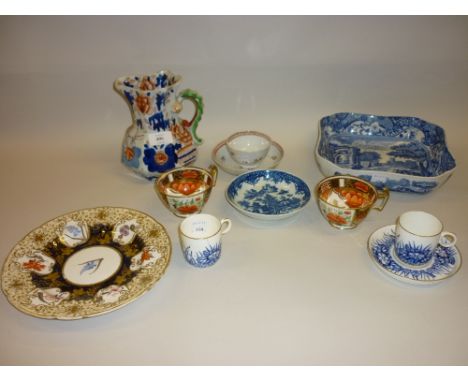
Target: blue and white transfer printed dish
{"x": 404, "y": 154}
{"x": 268, "y": 194}
{"x": 381, "y": 246}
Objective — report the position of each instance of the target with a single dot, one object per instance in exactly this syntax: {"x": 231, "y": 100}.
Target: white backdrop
{"x": 318, "y": 301}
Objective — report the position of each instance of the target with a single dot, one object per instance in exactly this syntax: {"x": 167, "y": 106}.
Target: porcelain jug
{"x": 159, "y": 139}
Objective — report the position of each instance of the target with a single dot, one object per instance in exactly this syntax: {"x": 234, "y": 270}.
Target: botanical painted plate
{"x": 445, "y": 263}
{"x": 86, "y": 263}
{"x": 268, "y": 194}
{"x": 223, "y": 159}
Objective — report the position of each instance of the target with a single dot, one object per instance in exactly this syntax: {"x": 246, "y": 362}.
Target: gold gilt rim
{"x": 17, "y": 284}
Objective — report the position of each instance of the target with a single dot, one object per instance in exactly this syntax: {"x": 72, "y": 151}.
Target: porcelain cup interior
{"x": 345, "y": 201}
{"x": 248, "y": 148}
{"x": 418, "y": 234}
{"x": 185, "y": 191}
{"x": 200, "y": 238}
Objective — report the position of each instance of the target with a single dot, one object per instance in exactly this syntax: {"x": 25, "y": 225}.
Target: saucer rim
{"x": 408, "y": 280}
{"x": 222, "y": 144}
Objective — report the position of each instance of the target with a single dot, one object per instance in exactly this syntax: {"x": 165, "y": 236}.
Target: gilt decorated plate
{"x": 86, "y": 263}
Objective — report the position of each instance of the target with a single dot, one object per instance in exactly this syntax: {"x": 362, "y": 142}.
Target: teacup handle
{"x": 228, "y": 225}
{"x": 213, "y": 170}
{"x": 447, "y": 239}
{"x": 383, "y": 195}
{"x": 197, "y": 101}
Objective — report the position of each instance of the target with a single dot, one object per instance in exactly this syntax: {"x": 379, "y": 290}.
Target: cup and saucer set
{"x": 415, "y": 249}
{"x": 247, "y": 150}
{"x": 96, "y": 260}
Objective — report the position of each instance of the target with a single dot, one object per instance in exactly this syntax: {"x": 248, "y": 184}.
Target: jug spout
{"x": 119, "y": 86}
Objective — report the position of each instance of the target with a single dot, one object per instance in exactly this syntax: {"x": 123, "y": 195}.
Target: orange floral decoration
{"x": 146, "y": 255}
{"x": 187, "y": 209}
{"x": 129, "y": 153}
{"x": 161, "y": 158}
{"x": 336, "y": 218}
{"x": 191, "y": 174}
{"x": 354, "y": 198}
{"x": 143, "y": 103}
{"x": 34, "y": 265}
{"x": 186, "y": 187}
{"x": 361, "y": 186}
{"x": 146, "y": 84}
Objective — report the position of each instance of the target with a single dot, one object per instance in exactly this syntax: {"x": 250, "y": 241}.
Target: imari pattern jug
{"x": 159, "y": 139}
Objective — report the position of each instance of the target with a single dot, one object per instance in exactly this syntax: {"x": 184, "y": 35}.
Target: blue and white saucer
{"x": 268, "y": 194}
{"x": 446, "y": 262}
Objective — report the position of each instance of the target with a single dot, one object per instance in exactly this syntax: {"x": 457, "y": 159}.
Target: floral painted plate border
{"x": 446, "y": 262}
{"x": 86, "y": 263}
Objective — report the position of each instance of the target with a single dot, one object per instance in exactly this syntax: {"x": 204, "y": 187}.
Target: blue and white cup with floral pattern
{"x": 418, "y": 235}
{"x": 200, "y": 239}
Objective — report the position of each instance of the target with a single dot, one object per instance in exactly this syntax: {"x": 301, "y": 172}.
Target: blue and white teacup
{"x": 200, "y": 239}
{"x": 418, "y": 234}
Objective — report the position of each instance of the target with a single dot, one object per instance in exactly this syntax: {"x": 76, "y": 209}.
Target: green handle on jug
{"x": 197, "y": 101}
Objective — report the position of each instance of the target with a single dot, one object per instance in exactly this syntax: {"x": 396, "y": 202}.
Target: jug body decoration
{"x": 159, "y": 139}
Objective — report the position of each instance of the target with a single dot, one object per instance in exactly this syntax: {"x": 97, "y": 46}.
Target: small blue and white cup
{"x": 418, "y": 234}
{"x": 200, "y": 239}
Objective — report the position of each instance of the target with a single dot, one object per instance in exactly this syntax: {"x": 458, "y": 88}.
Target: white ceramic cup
{"x": 418, "y": 234}
{"x": 248, "y": 148}
{"x": 200, "y": 239}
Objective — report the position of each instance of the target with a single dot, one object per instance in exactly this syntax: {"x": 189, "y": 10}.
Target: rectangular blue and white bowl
{"x": 404, "y": 154}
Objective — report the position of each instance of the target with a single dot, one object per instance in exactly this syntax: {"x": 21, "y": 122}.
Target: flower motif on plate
{"x": 144, "y": 259}
{"x": 74, "y": 233}
{"x": 61, "y": 279}
{"x": 36, "y": 262}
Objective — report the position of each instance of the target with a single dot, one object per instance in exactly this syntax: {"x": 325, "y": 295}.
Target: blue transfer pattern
{"x": 383, "y": 252}
{"x": 205, "y": 258}
{"x": 400, "y": 145}
{"x": 273, "y": 198}
{"x": 400, "y": 185}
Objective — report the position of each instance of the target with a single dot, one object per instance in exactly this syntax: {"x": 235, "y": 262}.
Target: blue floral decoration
{"x": 161, "y": 158}
{"x": 135, "y": 160}
{"x": 205, "y": 258}
{"x": 443, "y": 264}
{"x": 414, "y": 254}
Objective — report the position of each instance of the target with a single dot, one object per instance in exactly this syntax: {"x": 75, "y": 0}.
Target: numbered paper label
{"x": 160, "y": 138}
